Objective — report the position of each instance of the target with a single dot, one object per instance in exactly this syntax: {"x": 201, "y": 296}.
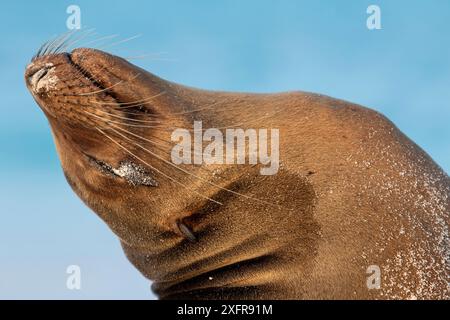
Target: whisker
{"x": 101, "y": 90}
{"x": 157, "y": 145}
{"x": 56, "y": 42}
{"x": 47, "y": 45}
{"x": 100, "y": 39}
{"x": 131, "y": 104}
{"x": 119, "y": 104}
{"x": 161, "y": 128}
{"x": 43, "y": 48}
{"x": 156, "y": 170}
{"x": 137, "y": 103}
{"x": 150, "y": 59}
{"x": 151, "y": 115}
{"x": 165, "y": 128}
{"x": 137, "y": 126}
{"x": 121, "y": 41}
{"x": 145, "y": 115}
{"x": 151, "y": 56}
{"x": 166, "y": 143}
{"x": 185, "y": 171}
{"x": 38, "y": 53}
{"x": 85, "y": 33}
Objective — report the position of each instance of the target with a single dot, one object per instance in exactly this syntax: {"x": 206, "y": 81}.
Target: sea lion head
{"x": 111, "y": 123}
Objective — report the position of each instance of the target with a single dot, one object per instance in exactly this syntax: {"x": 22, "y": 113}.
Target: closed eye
{"x": 133, "y": 173}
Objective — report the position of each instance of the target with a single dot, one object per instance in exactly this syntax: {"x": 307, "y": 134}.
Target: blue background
{"x": 402, "y": 70}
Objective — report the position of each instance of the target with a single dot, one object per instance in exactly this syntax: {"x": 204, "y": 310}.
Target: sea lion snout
{"x": 46, "y": 74}
{"x": 41, "y": 75}
{"x": 122, "y": 79}
{"x": 74, "y": 88}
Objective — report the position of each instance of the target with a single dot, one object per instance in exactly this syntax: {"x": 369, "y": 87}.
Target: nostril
{"x": 34, "y": 78}
{"x": 43, "y": 79}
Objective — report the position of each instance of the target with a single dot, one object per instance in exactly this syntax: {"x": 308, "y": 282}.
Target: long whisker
{"x": 100, "y": 39}
{"x": 131, "y": 125}
{"x": 151, "y": 115}
{"x": 55, "y": 40}
{"x": 38, "y": 53}
{"x": 48, "y": 45}
{"x": 128, "y": 119}
{"x": 156, "y": 170}
{"x": 105, "y": 89}
{"x": 183, "y": 170}
{"x": 138, "y": 103}
{"x": 84, "y": 34}
{"x": 165, "y": 128}
{"x": 63, "y": 41}
{"x": 149, "y": 58}
{"x": 60, "y": 43}
{"x": 189, "y": 111}
{"x": 161, "y": 128}
{"x": 121, "y": 41}
{"x": 163, "y": 143}
{"x": 132, "y": 104}
{"x": 145, "y": 115}
{"x": 157, "y": 145}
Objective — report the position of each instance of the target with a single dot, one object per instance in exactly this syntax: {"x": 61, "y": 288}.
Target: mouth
{"x": 35, "y": 77}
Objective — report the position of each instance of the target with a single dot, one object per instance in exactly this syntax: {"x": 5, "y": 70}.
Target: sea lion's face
{"x": 107, "y": 119}
{"x": 63, "y": 91}
{"x": 112, "y": 124}
{"x": 66, "y": 88}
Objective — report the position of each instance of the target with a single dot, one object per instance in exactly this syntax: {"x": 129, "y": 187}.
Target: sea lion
{"x": 351, "y": 192}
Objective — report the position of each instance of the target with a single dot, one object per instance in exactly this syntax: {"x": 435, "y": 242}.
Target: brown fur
{"x": 352, "y": 191}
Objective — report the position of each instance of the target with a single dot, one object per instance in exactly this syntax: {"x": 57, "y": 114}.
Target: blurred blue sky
{"x": 322, "y": 46}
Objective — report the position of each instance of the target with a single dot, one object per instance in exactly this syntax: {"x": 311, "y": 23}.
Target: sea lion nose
{"x": 40, "y": 78}
{"x": 34, "y": 78}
